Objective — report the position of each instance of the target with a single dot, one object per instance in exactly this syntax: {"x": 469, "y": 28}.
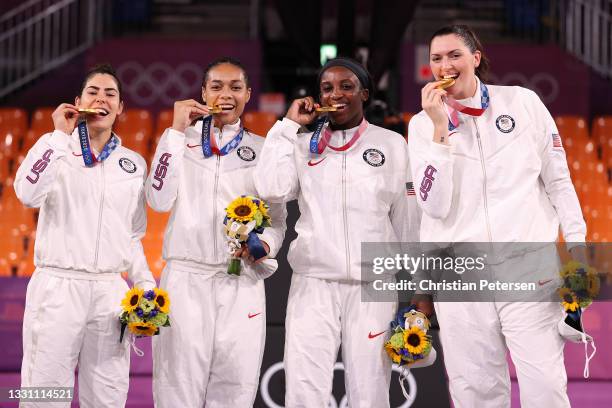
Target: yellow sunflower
{"x": 395, "y": 357}
{"x": 132, "y": 299}
{"x": 162, "y": 300}
{"x": 568, "y": 269}
{"x": 568, "y": 300}
{"x": 241, "y": 209}
{"x": 142, "y": 328}
{"x": 263, "y": 208}
{"x": 415, "y": 340}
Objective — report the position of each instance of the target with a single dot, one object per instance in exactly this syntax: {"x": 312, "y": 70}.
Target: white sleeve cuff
{"x": 287, "y": 128}
{"x": 440, "y": 151}
{"x": 176, "y": 140}
{"x": 59, "y": 141}
{"x": 268, "y": 238}
{"x": 574, "y": 240}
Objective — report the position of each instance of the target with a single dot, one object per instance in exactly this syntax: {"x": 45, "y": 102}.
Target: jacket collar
{"x": 473, "y": 101}
{"x": 74, "y": 139}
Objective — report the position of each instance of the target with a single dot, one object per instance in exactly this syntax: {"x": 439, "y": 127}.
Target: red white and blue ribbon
{"x": 318, "y": 145}
{"x": 88, "y": 157}
{"x": 209, "y": 147}
{"x": 453, "y": 107}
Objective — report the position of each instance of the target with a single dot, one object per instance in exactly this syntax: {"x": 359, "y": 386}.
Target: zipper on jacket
{"x": 484, "y": 182}
{"x": 215, "y": 200}
{"x": 100, "y": 216}
{"x": 344, "y": 211}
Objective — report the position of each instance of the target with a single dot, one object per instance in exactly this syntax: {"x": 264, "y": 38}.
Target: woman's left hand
{"x": 243, "y": 253}
{"x": 424, "y": 304}
{"x": 579, "y": 254}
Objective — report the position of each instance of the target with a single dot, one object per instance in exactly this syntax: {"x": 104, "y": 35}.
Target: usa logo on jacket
{"x": 127, "y": 165}
{"x": 246, "y": 153}
{"x": 374, "y": 157}
{"x": 505, "y": 123}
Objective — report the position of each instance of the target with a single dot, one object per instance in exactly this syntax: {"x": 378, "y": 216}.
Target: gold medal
{"x": 446, "y": 82}
{"x": 214, "y": 109}
{"x": 92, "y": 111}
{"x": 332, "y": 108}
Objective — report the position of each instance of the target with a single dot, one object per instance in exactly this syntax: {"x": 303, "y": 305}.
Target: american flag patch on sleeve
{"x": 410, "y": 189}
{"x": 557, "y": 141}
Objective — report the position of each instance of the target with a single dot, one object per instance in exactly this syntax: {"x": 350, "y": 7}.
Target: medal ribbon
{"x": 318, "y": 146}
{"x": 452, "y": 107}
{"x": 209, "y": 146}
{"x": 88, "y": 157}
{"x": 314, "y": 140}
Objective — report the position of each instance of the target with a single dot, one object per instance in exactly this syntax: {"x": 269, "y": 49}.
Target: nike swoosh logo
{"x": 371, "y": 336}
{"x": 543, "y": 282}
{"x": 192, "y": 146}
{"x": 311, "y": 163}
{"x": 77, "y": 155}
{"x": 253, "y": 315}
{"x": 451, "y": 133}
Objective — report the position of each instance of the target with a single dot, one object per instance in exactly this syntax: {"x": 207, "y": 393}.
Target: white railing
{"x": 40, "y": 35}
{"x": 588, "y": 32}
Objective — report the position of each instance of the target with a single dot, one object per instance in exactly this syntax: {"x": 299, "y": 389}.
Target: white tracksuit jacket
{"x": 504, "y": 178}
{"x": 89, "y": 230}
{"x": 363, "y": 194}
{"x": 91, "y": 219}
{"x": 198, "y": 190}
{"x": 495, "y": 185}
{"x": 345, "y": 198}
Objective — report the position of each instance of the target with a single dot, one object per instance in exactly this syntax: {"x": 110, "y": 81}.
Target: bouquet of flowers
{"x": 246, "y": 216}
{"x": 410, "y": 345}
{"x": 580, "y": 286}
{"x": 144, "y": 312}
{"x": 410, "y": 342}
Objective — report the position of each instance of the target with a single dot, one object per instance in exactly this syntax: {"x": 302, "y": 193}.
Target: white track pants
{"x": 211, "y": 355}
{"x": 321, "y": 315}
{"x": 476, "y": 335}
{"x": 73, "y": 319}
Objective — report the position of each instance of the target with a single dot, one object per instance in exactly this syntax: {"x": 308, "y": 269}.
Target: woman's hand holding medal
{"x": 303, "y": 111}
{"x": 185, "y": 112}
{"x": 432, "y": 102}
{"x": 433, "y": 105}
{"x": 65, "y": 118}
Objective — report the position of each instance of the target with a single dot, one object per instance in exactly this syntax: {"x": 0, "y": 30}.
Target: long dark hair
{"x": 106, "y": 69}
{"x": 471, "y": 41}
